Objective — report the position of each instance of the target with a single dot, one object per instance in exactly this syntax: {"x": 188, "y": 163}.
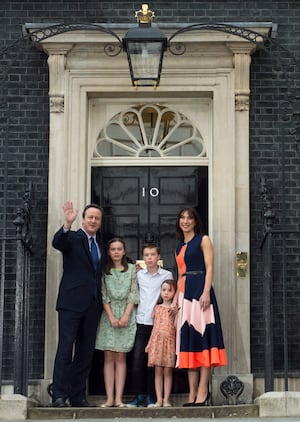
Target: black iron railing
{"x": 281, "y": 266}
{"x": 16, "y": 252}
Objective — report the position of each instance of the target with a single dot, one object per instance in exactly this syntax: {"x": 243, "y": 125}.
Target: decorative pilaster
{"x": 241, "y": 63}
{"x": 58, "y": 151}
{"x": 56, "y": 63}
{"x": 57, "y": 66}
{"x": 240, "y": 339}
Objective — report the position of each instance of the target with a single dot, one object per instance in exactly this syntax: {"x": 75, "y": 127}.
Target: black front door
{"x": 141, "y": 205}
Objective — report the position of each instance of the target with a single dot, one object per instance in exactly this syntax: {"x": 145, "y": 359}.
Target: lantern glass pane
{"x": 145, "y": 59}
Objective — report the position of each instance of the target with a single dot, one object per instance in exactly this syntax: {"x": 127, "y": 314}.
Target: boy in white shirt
{"x": 149, "y": 282}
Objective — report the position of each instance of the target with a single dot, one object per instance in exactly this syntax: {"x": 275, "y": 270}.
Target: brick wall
{"x": 274, "y": 151}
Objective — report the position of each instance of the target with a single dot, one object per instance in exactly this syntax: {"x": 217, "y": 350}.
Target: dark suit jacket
{"x": 79, "y": 281}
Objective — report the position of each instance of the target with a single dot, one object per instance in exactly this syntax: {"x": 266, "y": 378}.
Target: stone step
{"x": 238, "y": 411}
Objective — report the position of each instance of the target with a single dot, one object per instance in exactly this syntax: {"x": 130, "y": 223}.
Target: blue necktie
{"x": 94, "y": 253}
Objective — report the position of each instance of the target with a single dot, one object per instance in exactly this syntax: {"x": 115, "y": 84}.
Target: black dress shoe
{"x": 59, "y": 403}
{"x": 82, "y": 403}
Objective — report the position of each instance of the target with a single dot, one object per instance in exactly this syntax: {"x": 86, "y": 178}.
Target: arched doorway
{"x": 141, "y": 202}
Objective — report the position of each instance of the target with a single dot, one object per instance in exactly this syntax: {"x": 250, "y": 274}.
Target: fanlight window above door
{"x": 150, "y": 131}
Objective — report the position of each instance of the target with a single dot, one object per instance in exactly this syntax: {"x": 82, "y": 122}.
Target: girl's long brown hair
{"x": 110, "y": 263}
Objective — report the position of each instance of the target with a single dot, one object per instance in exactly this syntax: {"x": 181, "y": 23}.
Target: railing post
{"x": 268, "y": 310}
{"x": 19, "y": 309}
{"x": 2, "y": 280}
{"x": 268, "y": 218}
{"x": 24, "y": 250}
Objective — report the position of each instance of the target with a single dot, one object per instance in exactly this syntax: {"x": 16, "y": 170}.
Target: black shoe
{"x": 49, "y": 390}
{"x": 59, "y": 403}
{"x": 82, "y": 403}
{"x": 188, "y": 404}
{"x": 205, "y": 402}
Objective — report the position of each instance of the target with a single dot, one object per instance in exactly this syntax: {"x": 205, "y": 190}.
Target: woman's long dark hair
{"x": 110, "y": 264}
{"x": 198, "y": 229}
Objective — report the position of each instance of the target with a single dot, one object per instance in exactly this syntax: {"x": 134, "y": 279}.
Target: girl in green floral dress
{"x": 117, "y": 327}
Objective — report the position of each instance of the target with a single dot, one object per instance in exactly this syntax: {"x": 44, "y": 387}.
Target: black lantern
{"x": 145, "y": 46}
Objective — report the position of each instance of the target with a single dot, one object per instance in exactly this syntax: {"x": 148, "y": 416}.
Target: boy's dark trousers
{"x": 142, "y": 375}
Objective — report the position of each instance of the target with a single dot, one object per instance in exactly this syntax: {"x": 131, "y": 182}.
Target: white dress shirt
{"x": 149, "y": 289}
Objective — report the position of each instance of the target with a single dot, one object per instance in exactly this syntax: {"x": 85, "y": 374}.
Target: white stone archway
{"x": 215, "y": 66}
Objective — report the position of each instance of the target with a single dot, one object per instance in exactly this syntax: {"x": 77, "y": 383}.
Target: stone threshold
{"x": 237, "y": 411}
{"x": 271, "y": 404}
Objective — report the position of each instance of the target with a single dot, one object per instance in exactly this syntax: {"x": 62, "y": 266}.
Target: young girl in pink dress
{"x": 161, "y": 345}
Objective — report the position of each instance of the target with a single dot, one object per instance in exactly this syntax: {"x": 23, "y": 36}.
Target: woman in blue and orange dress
{"x": 199, "y": 343}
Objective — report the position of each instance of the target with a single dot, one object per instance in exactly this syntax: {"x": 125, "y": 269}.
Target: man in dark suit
{"x": 79, "y": 304}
